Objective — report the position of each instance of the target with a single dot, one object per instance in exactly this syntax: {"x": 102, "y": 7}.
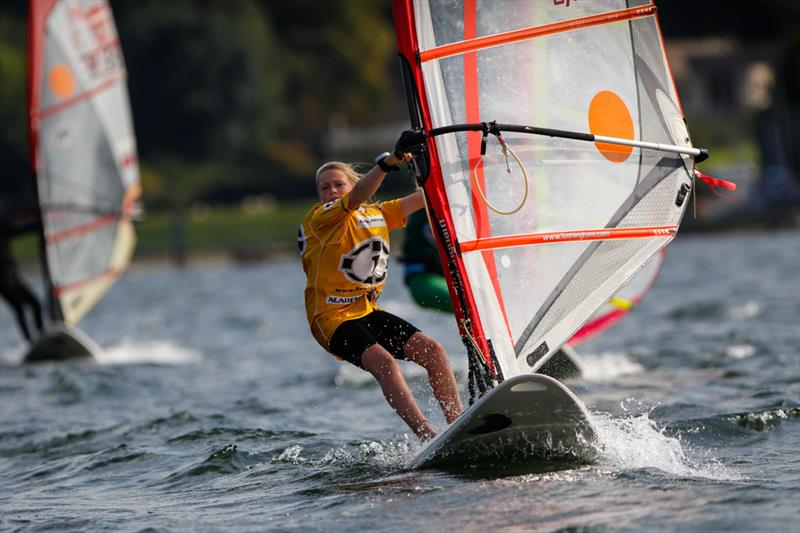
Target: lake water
{"x": 212, "y": 408}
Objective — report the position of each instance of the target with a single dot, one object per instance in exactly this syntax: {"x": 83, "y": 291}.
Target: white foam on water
{"x": 637, "y": 442}
{"x": 745, "y": 311}
{"x": 290, "y": 455}
{"x": 386, "y": 453}
{"x": 126, "y": 352}
{"x": 740, "y": 351}
{"x": 14, "y": 354}
{"x": 609, "y": 365}
{"x": 159, "y": 352}
{"x": 762, "y": 420}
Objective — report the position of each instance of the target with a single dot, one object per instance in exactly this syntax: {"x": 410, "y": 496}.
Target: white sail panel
{"x": 85, "y": 150}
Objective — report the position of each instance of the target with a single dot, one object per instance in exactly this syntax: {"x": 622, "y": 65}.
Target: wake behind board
{"x": 526, "y": 417}
{"x": 61, "y": 342}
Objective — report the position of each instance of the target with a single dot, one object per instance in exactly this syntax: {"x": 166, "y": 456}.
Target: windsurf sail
{"x": 557, "y": 162}
{"x": 83, "y": 151}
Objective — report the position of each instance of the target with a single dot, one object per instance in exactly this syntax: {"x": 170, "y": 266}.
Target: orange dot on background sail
{"x": 61, "y": 81}
{"x": 610, "y": 117}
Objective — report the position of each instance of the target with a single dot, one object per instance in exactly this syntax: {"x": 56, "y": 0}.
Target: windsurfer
{"x": 14, "y": 290}
{"x": 344, "y": 244}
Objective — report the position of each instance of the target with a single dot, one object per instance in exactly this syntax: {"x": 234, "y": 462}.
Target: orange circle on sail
{"x": 610, "y": 117}
{"x": 61, "y": 80}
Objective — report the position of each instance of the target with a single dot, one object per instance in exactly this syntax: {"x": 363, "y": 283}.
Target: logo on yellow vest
{"x": 367, "y": 262}
{"x": 341, "y": 300}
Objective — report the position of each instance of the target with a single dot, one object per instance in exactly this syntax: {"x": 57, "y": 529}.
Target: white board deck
{"x": 61, "y": 342}
{"x": 526, "y": 417}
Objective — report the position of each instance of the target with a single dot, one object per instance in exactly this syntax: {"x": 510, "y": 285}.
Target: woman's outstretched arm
{"x": 369, "y": 184}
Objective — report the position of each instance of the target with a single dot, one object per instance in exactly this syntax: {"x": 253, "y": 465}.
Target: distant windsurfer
{"x": 344, "y": 244}
{"x": 15, "y": 292}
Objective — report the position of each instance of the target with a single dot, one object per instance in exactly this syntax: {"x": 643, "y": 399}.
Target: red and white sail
{"x": 532, "y": 255}
{"x": 83, "y": 149}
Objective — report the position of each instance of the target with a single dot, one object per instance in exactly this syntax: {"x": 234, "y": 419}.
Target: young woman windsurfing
{"x": 344, "y": 245}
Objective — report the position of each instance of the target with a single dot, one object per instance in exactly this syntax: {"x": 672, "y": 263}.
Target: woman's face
{"x": 333, "y": 184}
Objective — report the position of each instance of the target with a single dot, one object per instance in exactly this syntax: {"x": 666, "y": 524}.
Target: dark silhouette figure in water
{"x": 15, "y": 292}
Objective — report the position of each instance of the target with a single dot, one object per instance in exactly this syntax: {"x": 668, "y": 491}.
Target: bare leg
{"x": 429, "y": 354}
{"x": 380, "y": 363}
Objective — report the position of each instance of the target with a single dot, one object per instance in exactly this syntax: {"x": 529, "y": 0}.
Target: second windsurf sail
{"x": 83, "y": 150}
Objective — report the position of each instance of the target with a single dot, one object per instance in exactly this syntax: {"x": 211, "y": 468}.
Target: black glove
{"x": 409, "y": 141}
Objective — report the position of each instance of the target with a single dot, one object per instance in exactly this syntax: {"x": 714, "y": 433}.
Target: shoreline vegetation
{"x": 263, "y": 229}
{"x": 252, "y": 231}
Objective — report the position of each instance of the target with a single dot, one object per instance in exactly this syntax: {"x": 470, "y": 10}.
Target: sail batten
{"x": 530, "y": 239}
{"x": 113, "y": 273}
{"x": 83, "y": 229}
{"x": 473, "y": 44}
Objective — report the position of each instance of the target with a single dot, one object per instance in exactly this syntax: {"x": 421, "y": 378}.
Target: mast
{"x": 38, "y": 10}
{"x": 483, "y": 366}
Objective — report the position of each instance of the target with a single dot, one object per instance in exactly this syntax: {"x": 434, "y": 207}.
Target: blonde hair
{"x": 345, "y": 168}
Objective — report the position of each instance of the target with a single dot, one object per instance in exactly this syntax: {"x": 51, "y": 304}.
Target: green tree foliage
{"x": 206, "y": 84}
{"x": 229, "y": 97}
{"x": 205, "y": 76}
{"x": 16, "y": 186}
{"x": 340, "y": 61}
{"x": 242, "y": 91}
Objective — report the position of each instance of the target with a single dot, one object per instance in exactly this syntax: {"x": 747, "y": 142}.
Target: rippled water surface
{"x": 211, "y": 407}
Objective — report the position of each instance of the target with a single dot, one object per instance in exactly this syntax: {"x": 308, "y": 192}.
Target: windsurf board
{"x": 61, "y": 342}
{"x": 524, "y": 418}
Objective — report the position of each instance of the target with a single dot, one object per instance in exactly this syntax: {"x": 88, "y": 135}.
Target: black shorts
{"x": 351, "y": 338}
